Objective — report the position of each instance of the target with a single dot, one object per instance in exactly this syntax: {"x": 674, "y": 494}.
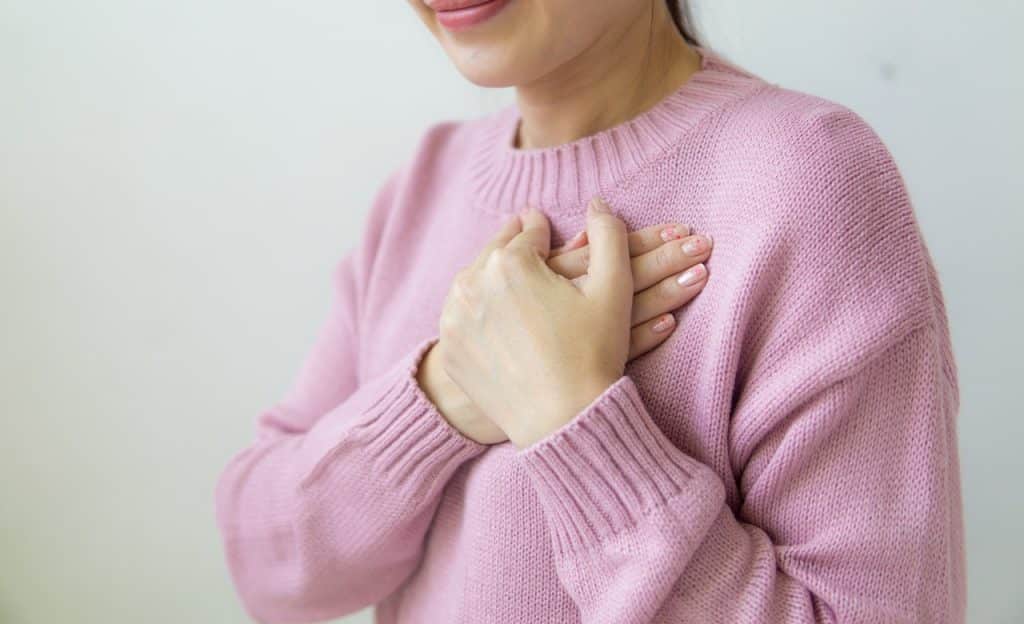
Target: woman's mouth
{"x": 458, "y": 15}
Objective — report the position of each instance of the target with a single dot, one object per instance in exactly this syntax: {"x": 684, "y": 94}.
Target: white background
{"x": 177, "y": 180}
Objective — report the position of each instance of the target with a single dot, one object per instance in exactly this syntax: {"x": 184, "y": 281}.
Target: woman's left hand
{"x": 525, "y": 344}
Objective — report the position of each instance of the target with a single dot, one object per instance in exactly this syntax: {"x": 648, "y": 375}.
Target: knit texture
{"x": 788, "y": 455}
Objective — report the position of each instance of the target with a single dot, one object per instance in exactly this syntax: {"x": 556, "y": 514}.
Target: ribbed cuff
{"x": 409, "y": 442}
{"x": 610, "y": 467}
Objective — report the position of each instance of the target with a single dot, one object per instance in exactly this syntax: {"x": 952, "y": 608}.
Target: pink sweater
{"x": 788, "y": 455}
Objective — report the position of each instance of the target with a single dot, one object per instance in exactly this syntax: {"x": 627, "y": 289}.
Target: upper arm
{"x": 844, "y": 269}
{"x": 842, "y": 434}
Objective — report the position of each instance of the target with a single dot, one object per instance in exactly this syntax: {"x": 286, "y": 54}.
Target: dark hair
{"x": 683, "y": 18}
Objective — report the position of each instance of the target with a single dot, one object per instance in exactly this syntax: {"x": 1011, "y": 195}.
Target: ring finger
{"x": 668, "y": 294}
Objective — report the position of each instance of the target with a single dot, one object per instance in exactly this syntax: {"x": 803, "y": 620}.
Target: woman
{"x": 504, "y": 420}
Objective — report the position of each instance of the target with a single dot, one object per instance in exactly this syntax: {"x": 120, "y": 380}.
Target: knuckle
{"x": 464, "y": 290}
{"x": 448, "y": 327}
{"x": 668, "y": 290}
{"x": 610, "y": 223}
{"x": 449, "y": 356}
{"x": 463, "y": 280}
{"x": 651, "y": 240}
{"x": 510, "y": 258}
{"x": 667, "y": 257}
{"x": 499, "y": 257}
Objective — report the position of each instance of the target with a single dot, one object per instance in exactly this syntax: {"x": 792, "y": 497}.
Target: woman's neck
{"x": 645, "y": 60}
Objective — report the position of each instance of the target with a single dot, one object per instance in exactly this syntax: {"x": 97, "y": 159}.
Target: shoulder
{"x": 427, "y": 164}
{"x": 813, "y": 170}
{"x": 817, "y": 159}
{"x": 841, "y": 260}
{"x": 831, "y": 184}
{"x": 447, "y": 141}
{"x": 810, "y": 147}
{"x": 402, "y": 195}
{"x": 430, "y": 150}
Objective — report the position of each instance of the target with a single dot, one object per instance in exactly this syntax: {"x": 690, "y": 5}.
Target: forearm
{"x": 833, "y": 529}
{"x": 329, "y": 521}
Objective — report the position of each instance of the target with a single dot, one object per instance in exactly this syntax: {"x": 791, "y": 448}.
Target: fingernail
{"x": 696, "y": 244}
{"x": 664, "y": 324}
{"x": 569, "y": 243}
{"x": 672, "y": 232}
{"x": 599, "y": 205}
{"x": 691, "y": 275}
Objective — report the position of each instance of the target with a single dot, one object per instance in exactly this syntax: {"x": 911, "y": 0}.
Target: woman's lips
{"x": 461, "y": 14}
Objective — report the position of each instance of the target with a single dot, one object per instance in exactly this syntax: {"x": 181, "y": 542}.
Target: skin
{"x": 530, "y": 336}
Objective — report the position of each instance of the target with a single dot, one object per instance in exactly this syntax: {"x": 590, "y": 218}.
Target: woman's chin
{"x": 488, "y": 68}
{"x": 489, "y": 79}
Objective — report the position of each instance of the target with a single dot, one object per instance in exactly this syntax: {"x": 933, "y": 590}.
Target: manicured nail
{"x": 599, "y": 205}
{"x": 691, "y": 275}
{"x": 672, "y": 232}
{"x": 664, "y": 324}
{"x": 696, "y": 245}
{"x": 569, "y": 243}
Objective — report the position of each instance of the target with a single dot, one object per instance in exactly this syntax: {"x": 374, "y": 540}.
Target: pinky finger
{"x": 648, "y": 335}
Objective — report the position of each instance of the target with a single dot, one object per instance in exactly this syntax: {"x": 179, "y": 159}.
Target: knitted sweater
{"x": 789, "y": 454}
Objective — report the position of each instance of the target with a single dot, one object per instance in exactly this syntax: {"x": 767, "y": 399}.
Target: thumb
{"x": 536, "y": 232}
{"x": 610, "y": 274}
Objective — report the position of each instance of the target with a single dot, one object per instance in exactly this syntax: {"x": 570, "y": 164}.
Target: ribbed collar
{"x": 563, "y": 178}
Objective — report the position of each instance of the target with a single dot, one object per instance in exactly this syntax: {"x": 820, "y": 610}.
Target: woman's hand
{"x": 666, "y": 276}
{"x": 660, "y": 255}
{"x": 526, "y": 345}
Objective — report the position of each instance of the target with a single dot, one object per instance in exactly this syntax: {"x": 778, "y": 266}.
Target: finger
{"x": 648, "y": 268}
{"x": 609, "y": 272}
{"x": 669, "y": 294}
{"x": 536, "y": 232}
{"x": 640, "y": 241}
{"x": 578, "y": 240}
{"x": 573, "y": 263}
{"x": 508, "y": 230}
{"x": 570, "y": 260}
{"x": 669, "y": 259}
{"x": 649, "y": 335}
{"x": 650, "y": 238}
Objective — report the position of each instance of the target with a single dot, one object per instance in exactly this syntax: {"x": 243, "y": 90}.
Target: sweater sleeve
{"x": 851, "y": 512}
{"x": 843, "y": 499}
{"x": 326, "y": 511}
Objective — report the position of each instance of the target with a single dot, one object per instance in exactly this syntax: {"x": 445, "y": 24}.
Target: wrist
{"x": 457, "y": 409}
{"x": 439, "y": 388}
{"x": 545, "y": 421}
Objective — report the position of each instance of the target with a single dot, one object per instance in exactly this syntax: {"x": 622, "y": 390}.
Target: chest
{"x": 688, "y": 383}
{"x": 425, "y": 246}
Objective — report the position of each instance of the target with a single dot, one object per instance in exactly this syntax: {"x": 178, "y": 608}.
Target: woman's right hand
{"x": 660, "y": 257}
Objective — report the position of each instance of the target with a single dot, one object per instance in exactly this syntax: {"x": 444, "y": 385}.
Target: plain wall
{"x": 177, "y": 180}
